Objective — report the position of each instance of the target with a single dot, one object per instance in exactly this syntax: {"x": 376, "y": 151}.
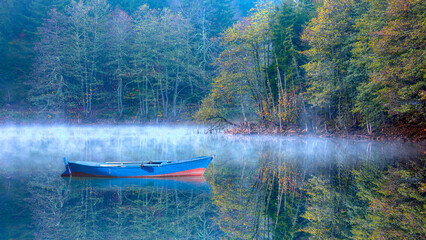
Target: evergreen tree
{"x": 15, "y": 50}
{"x": 221, "y": 16}
{"x": 289, "y": 80}
{"x": 244, "y": 7}
{"x": 35, "y": 13}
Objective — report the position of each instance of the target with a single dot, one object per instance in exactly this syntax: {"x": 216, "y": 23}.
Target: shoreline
{"x": 388, "y": 133}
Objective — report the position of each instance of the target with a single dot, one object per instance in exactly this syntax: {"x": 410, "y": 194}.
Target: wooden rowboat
{"x": 152, "y": 169}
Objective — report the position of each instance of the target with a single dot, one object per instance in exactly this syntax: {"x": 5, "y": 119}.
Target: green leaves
{"x": 395, "y": 40}
{"x": 330, "y": 36}
{"x": 241, "y": 81}
{"x": 260, "y": 70}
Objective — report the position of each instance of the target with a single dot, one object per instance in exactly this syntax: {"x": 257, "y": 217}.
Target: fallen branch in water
{"x": 219, "y": 123}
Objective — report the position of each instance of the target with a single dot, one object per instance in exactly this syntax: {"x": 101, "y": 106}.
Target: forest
{"x": 316, "y": 65}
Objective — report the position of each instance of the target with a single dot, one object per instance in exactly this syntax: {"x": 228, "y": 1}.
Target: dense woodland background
{"x": 319, "y": 65}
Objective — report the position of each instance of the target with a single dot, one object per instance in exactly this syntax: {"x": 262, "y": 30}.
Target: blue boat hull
{"x": 190, "y": 167}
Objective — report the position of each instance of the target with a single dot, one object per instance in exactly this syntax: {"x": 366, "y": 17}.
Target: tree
{"x": 86, "y": 36}
{"x": 289, "y": 80}
{"x": 330, "y": 36}
{"x": 396, "y": 38}
{"x": 120, "y": 29}
{"x": 166, "y": 71}
{"x": 242, "y": 77}
{"x": 50, "y": 90}
{"x": 221, "y": 16}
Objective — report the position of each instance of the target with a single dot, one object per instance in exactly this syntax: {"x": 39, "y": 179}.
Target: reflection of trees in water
{"x": 285, "y": 202}
{"x": 87, "y": 212}
{"x": 47, "y": 201}
{"x": 264, "y": 202}
{"x": 59, "y": 213}
{"x": 358, "y": 198}
{"x": 336, "y": 196}
{"x": 394, "y": 201}
{"x": 240, "y": 208}
{"x": 170, "y": 213}
{"x": 243, "y": 197}
{"x": 369, "y": 203}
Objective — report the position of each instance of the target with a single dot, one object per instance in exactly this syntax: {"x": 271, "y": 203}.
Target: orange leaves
{"x": 285, "y": 175}
{"x": 289, "y": 106}
{"x": 398, "y": 6}
{"x": 287, "y": 179}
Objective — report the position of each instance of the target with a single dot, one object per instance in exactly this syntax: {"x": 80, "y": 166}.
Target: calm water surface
{"x": 257, "y": 187}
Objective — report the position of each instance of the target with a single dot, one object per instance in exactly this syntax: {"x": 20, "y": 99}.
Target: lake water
{"x": 257, "y": 187}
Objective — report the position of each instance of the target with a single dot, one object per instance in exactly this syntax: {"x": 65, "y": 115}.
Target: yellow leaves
{"x": 252, "y": 30}
{"x": 422, "y": 189}
{"x": 265, "y": 107}
{"x": 333, "y": 21}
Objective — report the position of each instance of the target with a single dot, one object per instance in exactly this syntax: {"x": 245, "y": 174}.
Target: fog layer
{"x": 33, "y": 148}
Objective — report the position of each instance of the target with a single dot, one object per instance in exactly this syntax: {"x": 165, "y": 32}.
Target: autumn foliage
{"x": 329, "y": 65}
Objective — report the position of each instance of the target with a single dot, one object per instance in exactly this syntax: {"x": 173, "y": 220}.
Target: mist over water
{"x": 33, "y": 155}
{"x": 44, "y": 147}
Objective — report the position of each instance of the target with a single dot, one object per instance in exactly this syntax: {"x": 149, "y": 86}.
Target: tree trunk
{"x": 175, "y": 95}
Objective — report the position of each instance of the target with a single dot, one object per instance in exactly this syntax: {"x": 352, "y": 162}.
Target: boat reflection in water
{"x": 122, "y": 208}
{"x": 197, "y": 183}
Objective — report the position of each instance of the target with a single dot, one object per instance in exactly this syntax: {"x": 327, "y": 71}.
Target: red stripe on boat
{"x": 192, "y": 172}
